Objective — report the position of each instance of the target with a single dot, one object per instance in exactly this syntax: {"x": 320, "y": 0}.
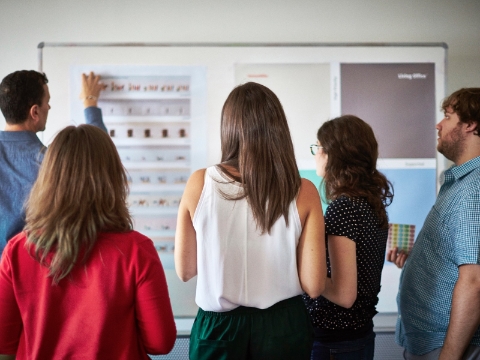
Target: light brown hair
{"x": 256, "y": 141}
{"x": 351, "y": 168}
{"x": 80, "y": 191}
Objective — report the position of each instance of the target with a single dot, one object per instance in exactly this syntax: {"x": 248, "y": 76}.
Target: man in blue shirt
{"x": 439, "y": 295}
{"x": 24, "y": 102}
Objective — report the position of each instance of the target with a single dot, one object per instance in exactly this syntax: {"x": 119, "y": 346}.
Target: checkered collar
{"x": 456, "y": 172}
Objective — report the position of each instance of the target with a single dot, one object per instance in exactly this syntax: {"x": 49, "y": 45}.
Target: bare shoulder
{"x": 308, "y": 192}
{"x": 193, "y": 189}
{"x": 308, "y": 200}
{"x": 197, "y": 177}
{"x": 195, "y": 182}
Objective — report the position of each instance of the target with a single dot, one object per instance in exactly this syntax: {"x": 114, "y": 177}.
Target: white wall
{"x": 25, "y": 23}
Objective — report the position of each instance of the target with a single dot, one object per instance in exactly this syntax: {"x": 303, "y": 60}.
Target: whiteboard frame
{"x": 442, "y": 163}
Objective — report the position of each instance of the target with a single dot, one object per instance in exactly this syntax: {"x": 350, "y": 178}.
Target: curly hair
{"x": 466, "y": 104}
{"x": 351, "y": 168}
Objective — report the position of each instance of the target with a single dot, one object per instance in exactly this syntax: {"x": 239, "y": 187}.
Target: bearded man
{"x": 439, "y": 294}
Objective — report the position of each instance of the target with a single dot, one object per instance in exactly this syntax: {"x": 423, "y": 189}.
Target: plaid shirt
{"x": 450, "y": 237}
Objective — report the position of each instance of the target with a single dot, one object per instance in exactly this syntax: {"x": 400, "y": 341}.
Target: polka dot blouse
{"x": 354, "y": 219}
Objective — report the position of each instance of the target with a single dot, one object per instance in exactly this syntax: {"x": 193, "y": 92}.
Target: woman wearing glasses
{"x": 356, "y": 226}
{"x": 252, "y": 232}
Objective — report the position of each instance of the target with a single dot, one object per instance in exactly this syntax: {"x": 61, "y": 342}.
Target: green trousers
{"x": 283, "y": 331}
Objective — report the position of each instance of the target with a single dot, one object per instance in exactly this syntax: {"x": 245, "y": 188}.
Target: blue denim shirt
{"x": 450, "y": 237}
{"x": 21, "y": 153}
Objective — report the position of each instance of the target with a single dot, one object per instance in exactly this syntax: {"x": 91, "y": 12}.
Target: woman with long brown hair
{"x": 252, "y": 232}
{"x": 78, "y": 282}
{"x": 356, "y": 226}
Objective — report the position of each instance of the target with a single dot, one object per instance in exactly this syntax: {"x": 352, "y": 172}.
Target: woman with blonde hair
{"x": 356, "y": 225}
{"x": 78, "y": 282}
{"x": 252, "y": 232}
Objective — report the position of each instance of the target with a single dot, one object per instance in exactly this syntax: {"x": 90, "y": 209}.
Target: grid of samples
{"x": 148, "y": 119}
{"x": 401, "y": 236}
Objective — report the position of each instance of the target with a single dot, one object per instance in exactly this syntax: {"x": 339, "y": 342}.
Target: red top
{"x": 116, "y": 306}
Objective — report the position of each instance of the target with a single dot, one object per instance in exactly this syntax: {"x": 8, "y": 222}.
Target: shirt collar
{"x": 456, "y": 172}
{"x": 18, "y": 136}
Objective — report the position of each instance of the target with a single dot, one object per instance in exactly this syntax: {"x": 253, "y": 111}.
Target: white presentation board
{"x": 397, "y": 88}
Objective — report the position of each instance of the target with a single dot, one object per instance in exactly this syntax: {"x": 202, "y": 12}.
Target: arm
{"x": 465, "y": 313}
{"x": 153, "y": 309}
{"x": 10, "y": 320}
{"x": 341, "y": 288}
{"x": 397, "y": 257}
{"x": 185, "y": 235}
{"x": 89, "y": 94}
{"x": 311, "y": 257}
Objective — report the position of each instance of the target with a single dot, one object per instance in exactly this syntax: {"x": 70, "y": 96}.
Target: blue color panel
{"x": 414, "y": 191}
{"x": 316, "y": 180}
{"x": 414, "y": 195}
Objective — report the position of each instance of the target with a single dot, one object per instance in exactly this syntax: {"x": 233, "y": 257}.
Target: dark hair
{"x": 466, "y": 104}
{"x": 351, "y": 168}
{"x": 81, "y": 190}
{"x": 19, "y": 91}
{"x": 256, "y": 141}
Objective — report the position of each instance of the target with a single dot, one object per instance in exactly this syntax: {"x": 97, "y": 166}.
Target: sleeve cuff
{"x": 93, "y": 116}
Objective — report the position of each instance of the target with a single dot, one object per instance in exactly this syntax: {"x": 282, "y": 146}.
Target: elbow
{"x": 347, "y": 301}
{"x": 162, "y": 345}
{"x": 313, "y": 294}
{"x": 186, "y": 275}
{"x": 160, "y": 350}
{"x": 185, "y": 278}
{"x": 163, "y": 348}
{"x": 314, "y": 291}
{"x": 185, "y": 269}
{"x": 313, "y": 287}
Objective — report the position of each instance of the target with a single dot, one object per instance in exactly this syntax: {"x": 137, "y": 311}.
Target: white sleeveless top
{"x": 236, "y": 265}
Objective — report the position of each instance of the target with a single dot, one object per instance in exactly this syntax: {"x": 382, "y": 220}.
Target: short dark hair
{"x": 466, "y": 104}
{"x": 19, "y": 91}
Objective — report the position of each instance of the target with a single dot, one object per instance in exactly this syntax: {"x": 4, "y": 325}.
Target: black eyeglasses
{"x": 315, "y": 151}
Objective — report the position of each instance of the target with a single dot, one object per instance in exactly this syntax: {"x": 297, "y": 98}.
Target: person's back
{"x": 439, "y": 291}
{"x": 253, "y": 232}
{"x": 237, "y": 264}
{"x": 78, "y": 283}
{"x": 21, "y": 154}
{"x": 92, "y": 313}
{"x": 356, "y": 225}
{"x": 24, "y": 102}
